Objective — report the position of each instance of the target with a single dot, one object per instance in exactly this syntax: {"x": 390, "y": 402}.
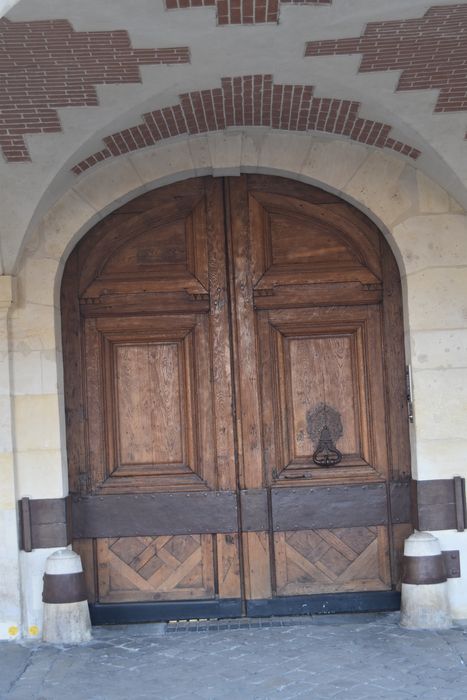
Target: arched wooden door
{"x": 235, "y": 395}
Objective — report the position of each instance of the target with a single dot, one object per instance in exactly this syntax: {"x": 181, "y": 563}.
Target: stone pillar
{"x": 10, "y": 605}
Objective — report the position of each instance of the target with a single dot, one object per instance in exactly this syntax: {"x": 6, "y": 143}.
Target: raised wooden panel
{"x": 152, "y": 252}
{"x": 331, "y": 561}
{"x": 323, "y": 360}
{"x": 295, "y": 240}
{"x": 320, "y": 370}
{"x": 149, "y": 415}
{"x": 157, "y": 428}
{"x": 299, "y": 243}
{"x": 161, "y": 251}
{"x": 176, "y": 567}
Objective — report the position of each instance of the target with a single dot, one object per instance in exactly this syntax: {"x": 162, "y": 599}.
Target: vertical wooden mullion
{"x": 228, "y": 546}
{"x": 256, "y": 554}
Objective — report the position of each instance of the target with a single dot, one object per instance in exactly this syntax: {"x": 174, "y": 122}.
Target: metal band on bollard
{"x": 424, "y": 570}
{"x": 64, "y": 588}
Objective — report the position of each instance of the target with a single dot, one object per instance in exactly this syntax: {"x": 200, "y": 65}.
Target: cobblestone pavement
{"x": 343, "y": 657}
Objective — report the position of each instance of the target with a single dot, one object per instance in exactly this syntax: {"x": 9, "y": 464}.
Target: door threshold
{"x": 129, "y": 613}
{"x": 209, "y": 613}
{"x": 322, "y": 604}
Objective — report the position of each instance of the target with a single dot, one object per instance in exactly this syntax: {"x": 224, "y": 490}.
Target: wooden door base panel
{"x": 128, "y": 613}
{"x": 368, "y": 601}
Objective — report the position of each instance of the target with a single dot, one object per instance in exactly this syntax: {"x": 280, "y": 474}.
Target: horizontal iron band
{"x": 177, "y": 513}
{"x": 439, "y": 504}
{"x": 310, "y": 508}
{"x": 44, "y": 522}
{"x": 424, "y": 570}
{"x": 64, "y": 588}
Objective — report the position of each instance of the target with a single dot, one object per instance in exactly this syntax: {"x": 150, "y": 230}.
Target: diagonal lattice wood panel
{"x": 155, "y": 568}
{"x": 331, "y": 561}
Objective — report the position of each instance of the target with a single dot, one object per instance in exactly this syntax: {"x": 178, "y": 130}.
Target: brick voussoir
{"x": 250, "y": 100}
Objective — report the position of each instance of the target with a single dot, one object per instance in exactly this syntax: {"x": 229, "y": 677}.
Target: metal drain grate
{"x": 236, "y": 624}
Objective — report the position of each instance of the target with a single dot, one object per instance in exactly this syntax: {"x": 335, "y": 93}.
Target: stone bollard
{"x": 66, "y": 612}
{"x": 424, "y": 599}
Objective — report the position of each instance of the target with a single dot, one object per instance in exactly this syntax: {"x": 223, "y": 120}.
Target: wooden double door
{"x": 236, "y": 421}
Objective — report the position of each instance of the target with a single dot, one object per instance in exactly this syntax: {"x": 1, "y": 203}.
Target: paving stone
{"x": 349, "y": 657}
{"x": 13, "y": 662}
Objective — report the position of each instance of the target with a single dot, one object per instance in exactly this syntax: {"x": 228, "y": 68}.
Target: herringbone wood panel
{"x": 155, "y": 568}
{"x": 331, "y": 561}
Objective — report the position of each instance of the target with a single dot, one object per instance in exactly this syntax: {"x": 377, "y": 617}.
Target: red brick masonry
{"x": 251, "y": 100}
{"x": 242, "y": 11}
{"x": 431, "y": 52}
{"x": 46, "y": 64}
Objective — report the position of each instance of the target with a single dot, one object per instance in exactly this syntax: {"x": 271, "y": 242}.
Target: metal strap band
{"x": 424, "y": 570}
{"x": 64, "y": 588}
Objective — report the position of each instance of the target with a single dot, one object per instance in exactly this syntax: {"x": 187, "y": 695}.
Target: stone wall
{"x": 425, "y": 227}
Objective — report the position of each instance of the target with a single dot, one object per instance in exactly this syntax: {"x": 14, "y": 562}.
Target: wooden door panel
{"x": 148, "y": 388}
{"x": 308, "y": 282}
{"x": 321, "y": 364}
{"x": 158, "y": 249}
{"x": 155, "y": 568}
{"x": 300, "y": 243}
{"x": 154, "y": 404}
{"x": 228, "y": 565}
{"x": 150, "y": 380}
{"x": 331, "y": 561}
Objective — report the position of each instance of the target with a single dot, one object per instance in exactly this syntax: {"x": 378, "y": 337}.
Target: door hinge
{"x": 409, "y": 392}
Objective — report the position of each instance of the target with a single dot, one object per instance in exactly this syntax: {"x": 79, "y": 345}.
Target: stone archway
{"x": 407, "y": 206}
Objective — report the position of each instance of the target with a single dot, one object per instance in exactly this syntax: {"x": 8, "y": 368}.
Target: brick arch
{"x": 245, "y": 101}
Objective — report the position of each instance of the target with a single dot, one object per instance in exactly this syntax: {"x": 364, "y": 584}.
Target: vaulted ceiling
{"x": 84, "y": 82}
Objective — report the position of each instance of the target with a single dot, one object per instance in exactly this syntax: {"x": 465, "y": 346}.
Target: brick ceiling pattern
{"x": 242, "y": 11}
{"x": 430, "y": 52}
{"x": 45, "y": 65}
{"x": 252, "y": 100}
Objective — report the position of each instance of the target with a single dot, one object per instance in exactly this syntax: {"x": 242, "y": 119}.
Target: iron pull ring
{"x": 326, "y": 454}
